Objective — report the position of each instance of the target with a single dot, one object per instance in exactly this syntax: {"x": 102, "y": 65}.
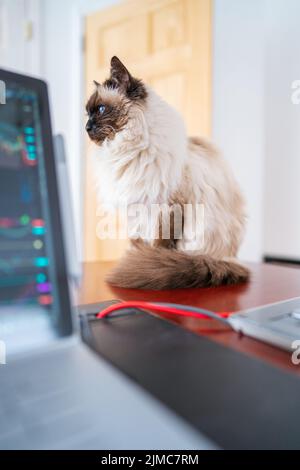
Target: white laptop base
{"x": 277, "y": 324}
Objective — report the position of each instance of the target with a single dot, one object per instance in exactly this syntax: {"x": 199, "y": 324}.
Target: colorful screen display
{"x": 25, "y": 248}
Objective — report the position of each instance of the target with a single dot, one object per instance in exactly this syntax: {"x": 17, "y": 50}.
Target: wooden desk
{"x": 269, "y": 283}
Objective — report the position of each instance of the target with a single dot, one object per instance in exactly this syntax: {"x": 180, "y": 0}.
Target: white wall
{"x": 255, "y": 123}
{"x": 282, "y": 125}
{"x": 238, "y": 104}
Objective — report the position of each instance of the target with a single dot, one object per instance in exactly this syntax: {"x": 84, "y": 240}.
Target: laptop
{"x": 55, "y": 392}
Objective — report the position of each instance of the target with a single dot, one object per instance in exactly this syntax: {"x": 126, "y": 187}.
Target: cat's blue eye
{"x": 101, "y": 109}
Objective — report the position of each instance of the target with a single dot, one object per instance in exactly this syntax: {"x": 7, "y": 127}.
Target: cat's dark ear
{"x": 129, "y": 85}
{"x": 119, "y": 73}
{"x": 97, "y": 84}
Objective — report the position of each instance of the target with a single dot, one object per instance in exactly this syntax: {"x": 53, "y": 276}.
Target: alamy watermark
{"x": 296, "y": 354}
{"x": 2, "y": 352}
{"x": 2, "y": 92}
{"x": 152, "y": 222}
{"x": 295, "y": 96}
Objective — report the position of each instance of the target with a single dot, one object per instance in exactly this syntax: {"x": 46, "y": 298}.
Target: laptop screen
{"x": 29, "y": 296}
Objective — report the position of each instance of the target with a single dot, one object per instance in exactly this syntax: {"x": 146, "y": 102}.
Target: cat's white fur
{"x": 152, "y": 161}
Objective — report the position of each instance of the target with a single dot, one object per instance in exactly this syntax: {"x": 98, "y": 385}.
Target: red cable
{"x": 155, "y": 308}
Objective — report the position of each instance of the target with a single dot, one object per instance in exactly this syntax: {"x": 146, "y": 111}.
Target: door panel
{"x": 168, "y": 26}
{"x": 112, "y": 37}
{"x": 167, "y": 43}
{"x": 171, "y": 87}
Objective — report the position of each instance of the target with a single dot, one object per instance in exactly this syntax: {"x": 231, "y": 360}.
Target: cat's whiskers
{"x": 108, "y": 126}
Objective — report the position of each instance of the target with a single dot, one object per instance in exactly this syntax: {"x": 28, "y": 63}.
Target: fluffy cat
{"x": 144, "y": 156}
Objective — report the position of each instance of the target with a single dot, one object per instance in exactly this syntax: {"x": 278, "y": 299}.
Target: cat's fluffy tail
{"x": 158, "y": 268}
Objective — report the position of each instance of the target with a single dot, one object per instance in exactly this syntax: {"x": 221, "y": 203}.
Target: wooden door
{"x": 167, "y": 43}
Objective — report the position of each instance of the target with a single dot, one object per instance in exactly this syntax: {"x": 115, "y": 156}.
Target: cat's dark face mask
{"x": 108, "y": 106}
{"x": 106, "y": 117}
